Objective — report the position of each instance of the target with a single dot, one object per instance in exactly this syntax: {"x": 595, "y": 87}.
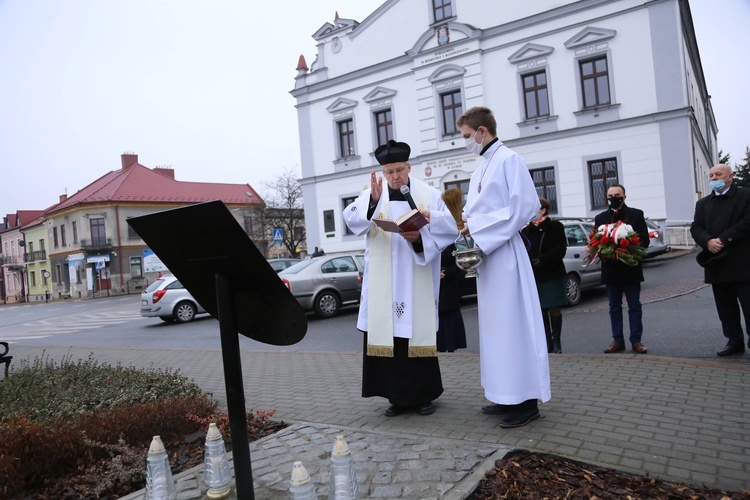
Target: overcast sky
{"x": 203, "y": 87}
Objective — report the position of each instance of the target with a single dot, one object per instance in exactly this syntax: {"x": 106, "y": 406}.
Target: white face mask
{"x": 474, "y": 146}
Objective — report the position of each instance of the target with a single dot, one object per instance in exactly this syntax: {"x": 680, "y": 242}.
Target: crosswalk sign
{"x": 278, "y": 234}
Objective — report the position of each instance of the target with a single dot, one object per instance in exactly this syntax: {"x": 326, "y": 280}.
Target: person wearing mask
{"x": 500, "y": 201}
{"x": 400, "y": 288}
{"x": 721, "y": 226}
{"x": 451, "y": 331}
{"x": 620, "y": 279}
{"x": 547, "y": 251}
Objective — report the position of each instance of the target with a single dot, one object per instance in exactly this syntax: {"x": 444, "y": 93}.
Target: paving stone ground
{"x": 669, "y": 418}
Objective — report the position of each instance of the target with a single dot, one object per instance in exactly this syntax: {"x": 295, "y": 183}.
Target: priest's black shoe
{"x": 393, "y": 410}
{"x": 731, "y": 349}
{"x": 426, "y": 409}
{"x": 498, "y": 409}
{"x": 521, "y": 415}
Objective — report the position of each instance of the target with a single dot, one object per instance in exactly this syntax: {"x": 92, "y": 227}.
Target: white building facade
{"x": 589, "y": 93}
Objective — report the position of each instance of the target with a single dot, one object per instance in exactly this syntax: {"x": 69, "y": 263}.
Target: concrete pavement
{"x": 668, "y": 418}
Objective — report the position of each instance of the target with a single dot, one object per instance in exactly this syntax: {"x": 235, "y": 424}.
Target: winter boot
{"x": 556, "y": 323}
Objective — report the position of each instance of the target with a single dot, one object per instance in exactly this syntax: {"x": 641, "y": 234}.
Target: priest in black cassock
{"x": 398, "y": 310}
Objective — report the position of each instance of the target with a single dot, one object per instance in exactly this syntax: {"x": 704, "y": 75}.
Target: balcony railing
{"x": 96, "y": 244}
{"x": 35, "y": 256}
{"x": 8, "y": 260}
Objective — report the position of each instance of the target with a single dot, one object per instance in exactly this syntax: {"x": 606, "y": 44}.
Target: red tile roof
{"x": 138, "y": 184}
{"x": 26, "y": 216}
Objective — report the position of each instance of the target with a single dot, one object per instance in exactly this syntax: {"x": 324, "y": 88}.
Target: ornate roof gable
{"x": 339, "y": 27}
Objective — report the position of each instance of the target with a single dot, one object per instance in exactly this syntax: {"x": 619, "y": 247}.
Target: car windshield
{"x": 153, "y": 286}
{"x": 299, "y": 266}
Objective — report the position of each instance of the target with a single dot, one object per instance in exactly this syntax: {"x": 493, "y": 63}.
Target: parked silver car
{"x": 168, "y": 300}
{"x": 324, "y": 284}
{"x": 579, "y": 275}
{"x": 657, "y": 244}
{"x": 280, "y": 264}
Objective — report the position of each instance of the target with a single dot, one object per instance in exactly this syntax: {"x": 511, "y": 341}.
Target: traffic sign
{"x": 278, "y": 234}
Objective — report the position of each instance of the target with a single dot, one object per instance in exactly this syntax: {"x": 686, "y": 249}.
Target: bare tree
{"x": 285, "y": 210}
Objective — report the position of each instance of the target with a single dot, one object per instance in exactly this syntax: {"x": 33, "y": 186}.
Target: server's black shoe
{"x": 522, "y": 415}
{"x": 498, "y": 409}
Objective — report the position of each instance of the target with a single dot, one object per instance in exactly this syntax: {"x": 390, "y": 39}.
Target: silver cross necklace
{"x": 486, "y": 165}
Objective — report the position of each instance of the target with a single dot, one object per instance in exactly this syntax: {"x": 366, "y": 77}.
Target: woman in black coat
{"x": 547, "y": 251}
{"x": 451, "y": 333}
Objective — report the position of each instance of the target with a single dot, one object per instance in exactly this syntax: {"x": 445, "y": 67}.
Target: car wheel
{"x": 166, "y": 319}
{"x": 327, "y": 304}
{"x": 572, "y": 289}
{"x": 184, "y": 312}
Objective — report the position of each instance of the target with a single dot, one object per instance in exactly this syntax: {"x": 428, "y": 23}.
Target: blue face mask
{"x": 717, "y": 185}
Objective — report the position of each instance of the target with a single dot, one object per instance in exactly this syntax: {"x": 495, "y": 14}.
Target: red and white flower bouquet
{"x": 617, "y": 242}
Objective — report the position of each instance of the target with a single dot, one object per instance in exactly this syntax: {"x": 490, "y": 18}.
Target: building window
{"x": 544, "y": 182}
{"x": 602, "y": 175}
{"x": 329, "y": 224}
{"x": 595, "y": 82}
{"x": 462, "y": 185}
{"x": 54, "y": 237}
{"x": 98, "y": 235}
{"x": 345, "y": 202}
{"x": 249, "y": 226}
{"x": 535, "y": 98}
{"x": 136, "y": 267}
{"x": 384, "y": 126}
{"x": 452, "y": 107}
{"x": 442, "y": 10}
{"x": 58, "y": 274}
{"x": 63, "y": 239}
{"x": 75, "y": 232}
{"x": 32, "y": 278}
{"x": 41, "y": 245}
{"x": 346, "y": 138}
{"x": 44, "y": 277}
{"x": 131, "y": 232}
{"x": 30, "y": 249}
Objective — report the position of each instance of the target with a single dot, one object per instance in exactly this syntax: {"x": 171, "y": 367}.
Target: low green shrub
{"x": 82, "y": 429}
{"x": 48, "y": 390}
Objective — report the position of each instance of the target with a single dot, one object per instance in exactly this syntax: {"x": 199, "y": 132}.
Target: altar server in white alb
{"x": 398, "y": 310}
{"x": 512, "y": 346}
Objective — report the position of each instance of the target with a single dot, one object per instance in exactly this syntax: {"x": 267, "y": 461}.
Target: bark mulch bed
{"x": 525, "y": 475}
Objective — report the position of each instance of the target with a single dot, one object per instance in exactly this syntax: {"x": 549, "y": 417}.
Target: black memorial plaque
{"x": 207, "y": 250}
{"x": 199, "y": 241}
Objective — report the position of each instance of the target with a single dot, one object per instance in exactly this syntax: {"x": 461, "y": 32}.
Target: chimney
{"x": 128, "y": 159}
{"x": 165, "y": 171}
{"x": 63, "y": 197}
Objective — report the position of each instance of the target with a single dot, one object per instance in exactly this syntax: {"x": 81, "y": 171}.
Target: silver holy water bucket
{"x": 468, "y": 256}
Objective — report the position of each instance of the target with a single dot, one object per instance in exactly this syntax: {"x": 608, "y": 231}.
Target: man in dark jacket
{"x": 721, "y": 226}
{"x": 622, "y": 279}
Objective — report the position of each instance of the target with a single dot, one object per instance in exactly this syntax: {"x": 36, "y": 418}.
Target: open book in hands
{"x": 410, "y": 221}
